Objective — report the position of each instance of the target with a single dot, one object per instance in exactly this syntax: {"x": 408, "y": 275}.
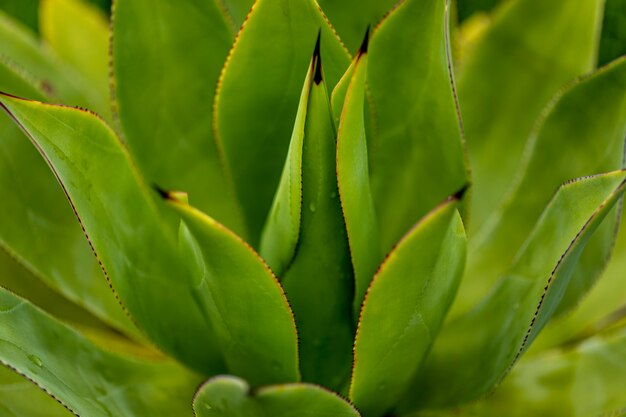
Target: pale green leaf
{"x": 475, "y": 351}
{"x": 405, "y": 307}
{"x": 227, "y": 396}
{"x": 417, "y": 155}
{"x": 257, "y": 97}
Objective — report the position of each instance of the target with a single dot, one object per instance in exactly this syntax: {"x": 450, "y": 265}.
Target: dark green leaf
{"x": 404, "y": 308}
{"x": 167, "y": 58}
{"x": 474, "y": 352}
{"x": 613, "y": 42}
{"x": 25, "y": 11}
{"x": 227, "y": 396}
{"x": 418, "y": 156}
{"x": 257, "y": 96}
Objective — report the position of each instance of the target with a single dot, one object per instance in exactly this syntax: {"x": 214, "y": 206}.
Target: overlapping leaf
{"x": 474, "y": 352}
{"x": 305, "y": 239}
{"x": 532, "y": 48}
{"x": 254, "y": 324}
{"x": 417, "y": 157}
{"x": 404, "y": 308}
{"x": 167, "y": 58}
{"x": 231, "y": 397}
{"x": 581, "y": 133}
{"x": 135, "y": 244}
{"x": 84, "y": 378}
{"x": 257, "y": 97}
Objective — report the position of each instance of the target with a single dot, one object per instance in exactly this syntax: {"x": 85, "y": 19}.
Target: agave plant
{"x": 283, "y": 228}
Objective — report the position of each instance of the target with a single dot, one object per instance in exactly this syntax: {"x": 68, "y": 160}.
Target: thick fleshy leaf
{"x": 167, "y": 57}
{"x": 475, "y": 351}
{"x": 613, "y": 42}
{"x": 227, "y": 396}
{"x": 315, "y": 265}
{"x": 60, "y": 80}
{"x": 21, "y": 398}
{"x": 404, "y": 308}
{"x": 42, "y": 233}
{"x": 352, "y": 17}
{"x": 354, "y": 182}
{"x": 253, "y": 321}
{"x": 581, "y": 133}
{"x": 585, "y": 380}
{"x": 261, "y": 83}
{"x": 78, "y": 32}
{"x": 135, "y": 244}
{"x": 236, "y": 10}
{"x": 532, "y": 48}
{"x": 84, "y": 378}
{"x": 418, "y": 156}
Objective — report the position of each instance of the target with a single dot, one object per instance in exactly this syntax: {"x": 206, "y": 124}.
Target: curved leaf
{"x": 354, "y": 182}
{"x": 581, "y": 133}
{"x": 532, "y": 48}
{"x": 260, "y": 84}
{"x": 84, "y": 378}
{"x": 253, "y": 321}
{"x": 227, "y": 396}
{"x": 43, "y": 234}
{"x": 78, "y": 32}
{"x": 167, "y": 58}
{"x": 613, "y": 42}
{"x": 475, "y": 351}
{"x": 404, "y": 308}
{"x": 418, "y": 157}
{"x": 135, "y": 244}
{"x": 315, "y": 268}
{"x": 21, "y": 398}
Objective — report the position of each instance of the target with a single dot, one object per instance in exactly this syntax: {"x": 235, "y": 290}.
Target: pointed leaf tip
{"x": 317, "y": 60}
{"x": 365, "y": 43}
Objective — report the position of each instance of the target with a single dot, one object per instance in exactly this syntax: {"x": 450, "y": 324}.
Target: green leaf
{"x": 22, "y": 398}
{"x": 584, "y": 380}
{"x": 466, "y": 8}
{"x": 78, "y": 32}
{"x": 475, "y": 351}
{"x": 167, "y": 58}
{"x": 254, "y": 323}
{"x": 26, "y": 11}
{"x": 84, "y": 378}
{"x": 43, "y": 234}
{"x": 135, "y": 244}
{"x": 580, "y": 133}
{"x": 21, "y": 47}
{"x": 352, "y": 17}
{"x": 613, "y": 41}
{"x": 227, "y": 396}
{"x": 260, "y": 84}
{"x": 532, "y": 48}
{"x": 315, "y": 263}
{"x": 418, "y": 155}
{"x": 236, "y": 11}
{"x": 405, "y": 307}
{"x": 354, "y": 182}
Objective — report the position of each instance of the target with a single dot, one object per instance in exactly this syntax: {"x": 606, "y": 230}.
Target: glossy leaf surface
{"x": 78, "y": 32}
{"x": 42, "y": 233}
{"x": 227, "y": 396}
{"x": 167, "y": 58}
{"x": 135, "y": 244}
{"x": 84, "y": 378}
{"x": 318, "y": 274}
{"x": 404, "y": 308}
{"x": 418, "y": 155}
{"x": 532, "y": 48}
{"x": 354, "y": 181}
{"x": 496, "y": 332}
{"x": 253, "y": 322}
{"x": 261, "y": 83}
{"x": 581, "y": 133}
